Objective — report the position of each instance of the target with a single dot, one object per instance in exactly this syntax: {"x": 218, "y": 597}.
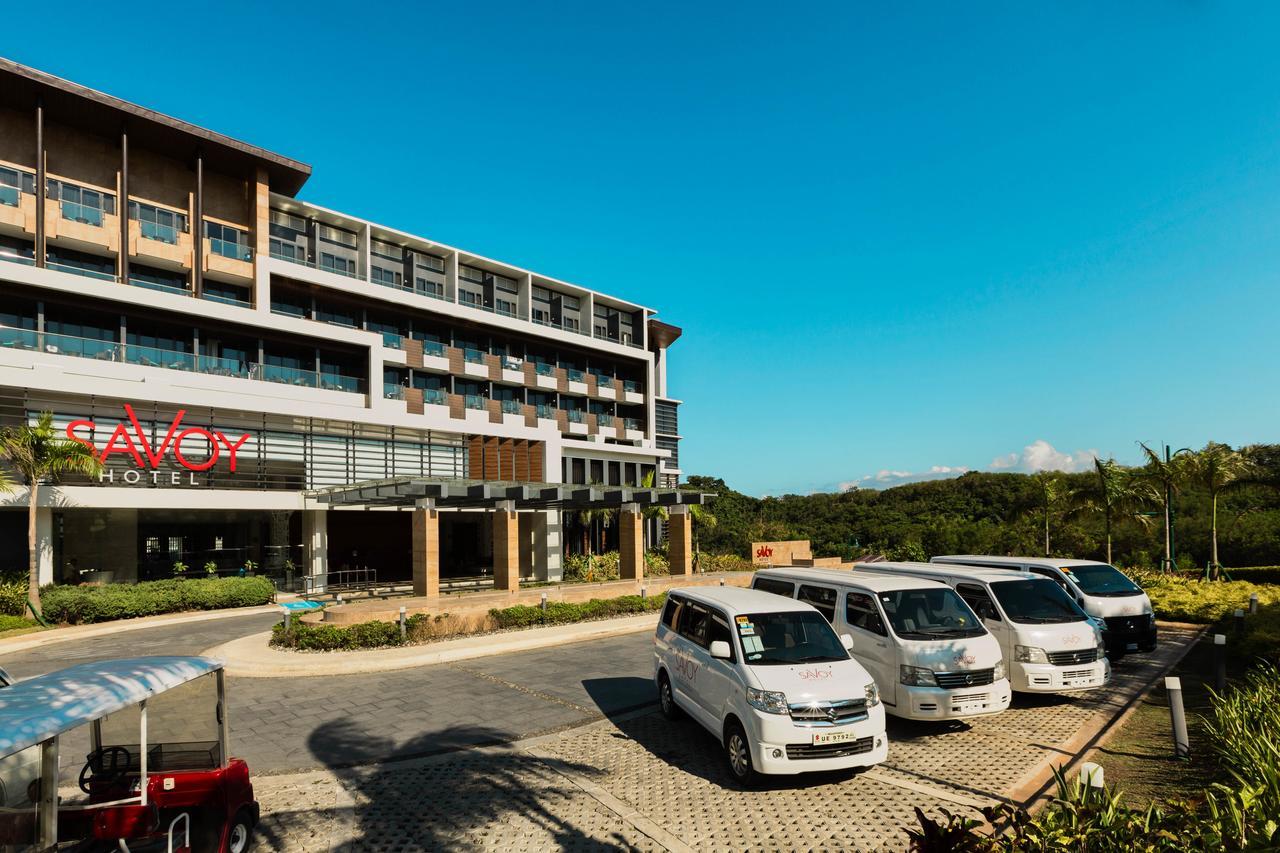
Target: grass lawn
{"x": 1139, "y": 758}
{"x": 12, "y": 626}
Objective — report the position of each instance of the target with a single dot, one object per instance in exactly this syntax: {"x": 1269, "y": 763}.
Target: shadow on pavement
{"x": 470, "y": 799}
{"x": 618, "y": 695}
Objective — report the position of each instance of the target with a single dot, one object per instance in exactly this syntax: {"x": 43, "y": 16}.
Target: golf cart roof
{"x": 34, "y": 710}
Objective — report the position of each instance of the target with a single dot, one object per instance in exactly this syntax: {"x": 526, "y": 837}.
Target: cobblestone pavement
{"x": 636, "y": 782}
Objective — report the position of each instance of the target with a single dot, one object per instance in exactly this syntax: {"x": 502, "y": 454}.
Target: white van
{"x": 1101, "y": 589}
{"x": 1050, "y": 645}
{"x": 931, "y": 657}
{"x": 770, "y": 679}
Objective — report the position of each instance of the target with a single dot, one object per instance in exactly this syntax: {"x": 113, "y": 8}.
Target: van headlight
{"x": 769, "y": 701}
{"x": 917, "y": 676}
{"x": 998, "y": 672}
{"x": 873, "y": 695}
{"x": 1029, "y": 654}
{"x": 1102, "y": 650}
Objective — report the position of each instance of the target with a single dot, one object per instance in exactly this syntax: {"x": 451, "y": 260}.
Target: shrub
{"x": 13, "y": 593}
{"x": 84, "y": 604}
{"x": 579, "y": 568}
{"x": 1205, "y": 602}
{"x": 563, "y": 612}
{"x": 656, "y": 564}
{"x": 8, "y": 623}
{"x": 724, "y": 563}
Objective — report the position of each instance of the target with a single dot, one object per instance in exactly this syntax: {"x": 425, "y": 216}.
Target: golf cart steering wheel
{"x": 120, "y": 761}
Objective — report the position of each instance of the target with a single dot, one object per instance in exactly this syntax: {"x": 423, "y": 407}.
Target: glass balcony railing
{"x": 509, "y": 363}
{"x": 230, "y": 249}
{"x": 603, "y": 380}
{"x": 576, "y": 416}
{"x": 393, "y": 391}
{"x": 631, "y": 423}
{"x": 75, "y": 269}
{"x": 15, "y": 258}
{"x": 544, "y": 369}
{"x": 157, "y": 231}
{"x": 433, "y": 348}
{"x": 289, "y": 375}
{"x": 546, "y": 412}
{"x": 224, "y": 299}
{"x": 434, "y": 396}
{"x": 82, "y": 213}
{"x": 604, "y": 420}
{"x": 631, "y": 386}
{"x": 163, "y": 288}
{"x": 474, "y": 356}
{"x": 217, "y": 366}
{"x": 29, "y": 339}
{"x": 511, "y": 407}
{"x": 575, "y": 375}
{"x": 475, "y": 401}
{"x": 9, "y": 195}
{"x": 392, "y": 340}
{"x": 339, "y": 382}
{"x": 283, "y": 254}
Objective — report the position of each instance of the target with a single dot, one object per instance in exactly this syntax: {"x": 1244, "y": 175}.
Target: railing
{"x": 511, "y": 407}
{"x": 433, "y": 348}
{"x": 393, "y": 391}
{"x": 75, "y": 270}
{"x": 603, "y": 380}
{"x": 546, "y": 412}
{"x": 630, "y": 385}
{"x": 338, "y": 382}
{"x": 143, "y": 356}
{"x": 576, "y": 416}
{"x": 9, "y": 195}
{"x": 230, "y": 249}
{"x": 604, "y": 420}
{"x": 574, "y": 375}
{"x": 474, "y": 356}
{"x": 160, "y": 233}
{"x": 435, "y": 396}
{"x": 310, "y": 378}
{"x": 392, "y": 340}
{"x": 509, "y": 363}
{"x": 226, "y": 300}
{"x": 163, "y": 288}
{"x": 605, "y": 336}
{"x": 544, "y": 369}
{"x": 475, "y": 401}
{"x": 77, "y": 212}
{"x": 17, "y": 259}
{"x": 344, "y": 579}
{"x": 155, "y": 357}
{"x": 631, "y": 423}
{"x": 282, "y": 256}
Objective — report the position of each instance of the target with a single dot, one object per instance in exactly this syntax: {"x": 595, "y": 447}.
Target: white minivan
{"x": 1101, "y": 589}
{"x": 770, "y": 679}
{"x": 930, "y": 655}
{"x": 1050, "y": 645}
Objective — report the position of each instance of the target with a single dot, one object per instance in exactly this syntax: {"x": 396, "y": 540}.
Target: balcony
{"x": 511, "y": 407}
{"x": 391, "y": 340}
{"x": 82, "y": 226}
{"x": 281, "y": 252}
{"x": 393, "y": 391}
{"x": 228, "y": 258}
{"x": 435, "y": 396}
{"x": 475, "y": 401}
{"x": 17, "y": 210}
{"x": 473, "y": 356}
{"x": 546, "y": 412}
{"x": 143, "y": 356}
{"x": 544, "y": 369}
{"x": 435, "y": 348}
{"x": 604, "y": 420}
{"x": 302, "y": 377}
{"x": 631, "y": 424}
{"x": 576, "y": 416}
{"x": 224, "y": 299}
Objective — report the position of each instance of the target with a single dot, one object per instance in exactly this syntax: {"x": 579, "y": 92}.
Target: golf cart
{"x": 122, "y": 755}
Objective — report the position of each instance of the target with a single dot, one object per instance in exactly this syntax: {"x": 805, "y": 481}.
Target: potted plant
{"x": 248, "y": 568}
{"x": 179, "y": 570}
{"x": 211, "y": 569}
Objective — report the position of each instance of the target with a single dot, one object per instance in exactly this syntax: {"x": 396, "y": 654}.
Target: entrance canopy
{"x": 446, "y": 493}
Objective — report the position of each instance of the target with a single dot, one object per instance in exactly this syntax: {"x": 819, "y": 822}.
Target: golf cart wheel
{"x": 240, "y": 833}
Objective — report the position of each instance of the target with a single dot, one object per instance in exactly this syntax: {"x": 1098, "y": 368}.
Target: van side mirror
{"x": 720, "y": 649}
{"x": 847, "y": 642}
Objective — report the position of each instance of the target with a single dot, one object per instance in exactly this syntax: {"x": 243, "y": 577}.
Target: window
{"x": 821, "y": 597}
{"x": 790, "y": 638}
{"x": 930, "y": 613}
{"x": 694, "y": 623}
{"x": 467, "y": 273}
{"x": 1053, "y": 576}
{"x": 979, "y": 601}
{"x": 287, "y": 221}
{"x": 13, "y": 183}
{"x": 506, "y": 285}
{"x": 505, "y": 306}
{"x": 81, "y": 204}
{"x": 156, "y": 223}
{"x": 775, "y": 586}
{"x": 860, "y": 612}
{"x": 429, "y": 287}
{"x": 335, "y": 263}
{"x": 339, "y": 236}
{"x": 157, "y": 279}
{"x": 387, "y": 251}
{"x": 288, "y": 251}
{"x": 470, "y": 297}
{"x": 430, "y": 262}
{"x": 671, "y": 611}
{"x": 720, "y": 631}
{"x": 386, "y": 277}
{"x": 228, "y": 242}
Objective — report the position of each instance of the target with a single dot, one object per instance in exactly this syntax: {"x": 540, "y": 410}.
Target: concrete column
{"x": 426, "y": 550}
{"x": 631, "y": 543}
{"x": 44, "y": 544}
{"x": 680, "y": 540}
{"x": 315, "y": 548}
{"x": 506, "y": 546}
{"x": 547, "y": 552}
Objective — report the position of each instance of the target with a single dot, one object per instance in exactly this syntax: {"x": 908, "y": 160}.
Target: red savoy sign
{"x": 131, "y": 439}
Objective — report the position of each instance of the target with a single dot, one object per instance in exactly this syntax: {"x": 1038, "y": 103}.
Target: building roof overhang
{"x": 462, "y": 494}
{"x": 21, "y": 87}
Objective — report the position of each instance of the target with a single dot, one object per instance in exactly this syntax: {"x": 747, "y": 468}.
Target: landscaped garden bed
{"x": 78, "y": 605}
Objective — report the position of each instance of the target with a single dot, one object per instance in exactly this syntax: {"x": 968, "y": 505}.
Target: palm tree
{"x": 1216, "y": 469}
{"x": 1113, "y": 492}
{"x": 701, "y": 518}
{"x": 39, "y": 455}
{"x": 1167, "y": 476}
{"x": 1049, "y": 493}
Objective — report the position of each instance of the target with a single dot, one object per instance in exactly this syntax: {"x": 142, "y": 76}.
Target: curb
{"x": 24, "y": 642}
{"x": 251, "y": 657}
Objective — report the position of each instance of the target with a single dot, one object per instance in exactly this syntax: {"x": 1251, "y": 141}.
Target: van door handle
{"x": 880, "y": 645}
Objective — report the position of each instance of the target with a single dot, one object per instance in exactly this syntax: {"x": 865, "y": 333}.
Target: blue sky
{"x": 898, "y": 239}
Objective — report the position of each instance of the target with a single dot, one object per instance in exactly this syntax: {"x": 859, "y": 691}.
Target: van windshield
{"x": 1102, "y": 580}
{"x": 781, "y": 638}
{"x": 930, "y": 614}
{"x": 1036, "y": 601}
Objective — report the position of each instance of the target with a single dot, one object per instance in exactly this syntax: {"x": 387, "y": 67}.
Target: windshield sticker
{"x": 752, "y": 645}
{"x": 746, "y": 629}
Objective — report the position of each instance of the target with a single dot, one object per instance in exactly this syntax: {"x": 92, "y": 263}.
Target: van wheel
{"x": 240, "y": 834}
{"x": 666, "y": 700}
{"x": 738, "y": 752}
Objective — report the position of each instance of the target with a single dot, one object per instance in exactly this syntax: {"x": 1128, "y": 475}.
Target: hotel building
{"x": 276, "y": 382}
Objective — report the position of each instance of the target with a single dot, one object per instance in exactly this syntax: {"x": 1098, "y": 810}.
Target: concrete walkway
{"x": 252, "y": 657}
{"x": 41, "y": 639}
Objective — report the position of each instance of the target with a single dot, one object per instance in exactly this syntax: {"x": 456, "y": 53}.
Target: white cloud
{"x": 887, "y": 478}
{"x": 1040, "y": 455}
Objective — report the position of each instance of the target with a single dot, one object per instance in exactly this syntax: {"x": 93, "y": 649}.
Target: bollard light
{"x": 339, "y": 598}
{"x": 1253, "y": 604}
{"x": 1092, "y": 774}
{"x": 1219, "y": 662}
{"x": 1239, "y": 620}
{"x": 721, "y": 581}
{"x": 288, "y": 621}
{"x": 1178, "y": 716}
{"x": 544, "y": 602}
{"x": 402, "y": 625}
{"x": 644, "y": 593}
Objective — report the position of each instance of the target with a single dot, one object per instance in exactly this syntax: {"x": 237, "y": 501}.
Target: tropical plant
{"x": 211, "y": 568}
{"x": 39, "y": 455}
{"x": 179, "y": 569}
{"x": 701, "y": 518}
{"x": 1049, "y": 493}
{"x": 1216, "y": 469}
{"x": 1113, "y": 492}
{"x": 1167, "y": 476}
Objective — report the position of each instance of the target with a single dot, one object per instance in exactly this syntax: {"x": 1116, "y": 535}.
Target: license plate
{"x": 968, "y": 708}
{"x": 1079, "y": 682}
{"x": 832, "y": 737}
{"x": 1131, "y": 647}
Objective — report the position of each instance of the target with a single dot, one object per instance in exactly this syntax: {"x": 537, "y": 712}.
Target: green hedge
{"x": 83, "y": 604}
{"x": 1204, "y": 602}
{"x": 307, "y": 636}
{"x": 13, "y": 593}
